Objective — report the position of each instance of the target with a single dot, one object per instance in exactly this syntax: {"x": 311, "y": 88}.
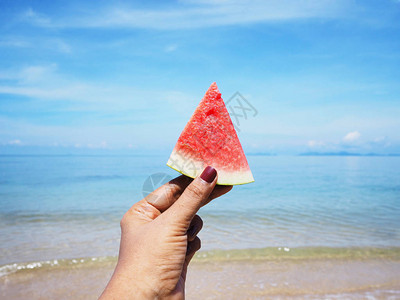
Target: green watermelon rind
{"x": 227, "y": 184}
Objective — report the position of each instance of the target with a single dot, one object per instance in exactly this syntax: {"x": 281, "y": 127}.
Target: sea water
{"x": 56, "y": 209}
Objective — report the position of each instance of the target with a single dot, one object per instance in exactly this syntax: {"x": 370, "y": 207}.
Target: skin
{"x": 158, "y": 240}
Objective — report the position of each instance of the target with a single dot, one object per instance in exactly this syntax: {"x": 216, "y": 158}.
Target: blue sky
{"x": 324, "y": 75}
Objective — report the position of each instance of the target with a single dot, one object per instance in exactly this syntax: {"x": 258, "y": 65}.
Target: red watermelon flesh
{"x": 210, "y": 139}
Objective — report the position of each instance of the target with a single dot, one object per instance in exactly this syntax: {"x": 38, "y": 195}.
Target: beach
{"x": 308, "y": 228}
{"x": 260, "y": 274}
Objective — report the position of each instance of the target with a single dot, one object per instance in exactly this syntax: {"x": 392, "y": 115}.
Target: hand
{"x": 159, "y": 238}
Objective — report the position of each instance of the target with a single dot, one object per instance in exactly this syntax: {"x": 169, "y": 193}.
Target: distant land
{"x": 345, "y": 153}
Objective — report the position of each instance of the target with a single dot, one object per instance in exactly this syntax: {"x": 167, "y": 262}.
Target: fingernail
{"x": 208, "y": 174}
{"x": 191, "y": 230}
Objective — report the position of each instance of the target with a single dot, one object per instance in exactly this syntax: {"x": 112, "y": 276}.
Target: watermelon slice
{"x": 210, "y": 139}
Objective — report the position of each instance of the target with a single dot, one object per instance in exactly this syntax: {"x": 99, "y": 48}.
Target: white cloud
{"x": 198, "y": 14}
{"x": 33, "y": 74}
{"x": 103, "y": 135}
{"x": 352, "y": 143}
{"x": 314, "y": 144}
{"x": 70, "y": 92}
{"x": 101, "y": 145}
{"x": 42, "y": 42}
{"x": 171, "y": 48}
{"x": 352, "y": 137}
{"x": 33, "y": 17}
{"x": 106, "y": 98}
{"x": 382, "y": 141}
{"x": 14, "y": 43}
{"x": 15, "y": 142}
{"x": 45, "y": 83}
{"x": 61, "y": 46}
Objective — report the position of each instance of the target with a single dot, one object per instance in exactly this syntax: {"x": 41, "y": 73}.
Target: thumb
{"x": 194, "y": 196}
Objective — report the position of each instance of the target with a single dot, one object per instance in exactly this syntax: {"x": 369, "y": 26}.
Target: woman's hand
{"x": 159, "y": 238}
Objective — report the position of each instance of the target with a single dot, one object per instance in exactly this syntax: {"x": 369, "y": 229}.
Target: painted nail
{"x": 191, "y": 231}
{"x": 209, "y": 174}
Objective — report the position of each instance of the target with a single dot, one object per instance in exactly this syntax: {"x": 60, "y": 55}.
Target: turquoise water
{"x": 55, "y": 207}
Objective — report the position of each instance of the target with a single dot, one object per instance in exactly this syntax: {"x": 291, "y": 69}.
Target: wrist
{"x": 124, "y": 287}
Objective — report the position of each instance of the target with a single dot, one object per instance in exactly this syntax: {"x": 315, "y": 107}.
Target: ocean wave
{"x": 55, "y": 264}
{"x": 255, "y": 254}
{"x": 93, "y": 217}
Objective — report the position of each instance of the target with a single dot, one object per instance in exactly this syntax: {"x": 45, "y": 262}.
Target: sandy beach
{"x": 333, "y": 278}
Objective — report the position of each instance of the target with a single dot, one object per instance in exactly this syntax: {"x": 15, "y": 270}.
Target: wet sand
{"x": 294, "y": 279}
{"x": 261, "y": 279}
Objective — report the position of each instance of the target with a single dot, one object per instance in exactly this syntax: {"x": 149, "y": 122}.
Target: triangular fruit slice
{"x": 210, "y": 139}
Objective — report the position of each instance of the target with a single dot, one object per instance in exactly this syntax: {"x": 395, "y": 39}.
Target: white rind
{"x": 193, "y": 168}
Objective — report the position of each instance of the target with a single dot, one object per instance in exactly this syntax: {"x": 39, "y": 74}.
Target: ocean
{"x": 65, "y": 210}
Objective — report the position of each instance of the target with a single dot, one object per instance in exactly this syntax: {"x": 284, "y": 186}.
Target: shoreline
{"x": 351, "y": 273}
{"x": 219, "y": 256}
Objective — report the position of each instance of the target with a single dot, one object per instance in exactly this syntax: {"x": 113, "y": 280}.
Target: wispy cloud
{"x": 381, "y": 141}
{"x": 35, "y": 18}
{"x": 44, "y": 84}
{"x": 86, "y": 135}
{"x": 352, "y": 142}
{"x": 352, "y": 137}
{"x": 46, "y": 43}
{"x": 36, "y": 73}
{"x": 14, "y": 42}
{"x": 60, "y": 45}
{"x": 89, "y": 114}
{"x": 315, "y": 144}
{"x": 197, "y": 14}
{"x": 15, "y": 142}
{"x": 171, "y": 48}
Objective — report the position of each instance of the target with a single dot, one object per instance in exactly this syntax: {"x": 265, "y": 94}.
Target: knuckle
{"x": 195, "y": 191}
{"x": 144, "y": 210}
{"x": 123, "y": 221}
{"x": 170, "y": 192}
